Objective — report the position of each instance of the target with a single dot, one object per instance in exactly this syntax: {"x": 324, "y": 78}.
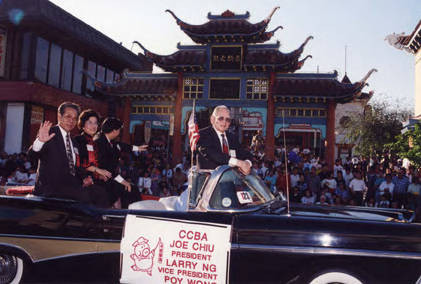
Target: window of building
{"x": 300, "y": 112}
{"x": 257, "y": 89}
{"x": 109, "y": 78}
{"x": 41, "y": 59}
{"x": 100, "y": 74}
{"x": 77, "y": 74}
{"x": 92, "y": 72}
{"x": 224, "y": 89}
{"x": 26, "y": 50}
{"x": 152, "y": 109}
{"x": 66, "y": 70}
{"x": 193, "y": 88}
{"x": 54, "y": 65}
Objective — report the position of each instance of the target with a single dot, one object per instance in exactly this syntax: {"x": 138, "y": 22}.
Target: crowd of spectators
{"x": 378, "y": 181}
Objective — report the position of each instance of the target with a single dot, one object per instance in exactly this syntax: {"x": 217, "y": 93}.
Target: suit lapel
{"x": 60, "y": 141}
{"x": 216, "y": 138}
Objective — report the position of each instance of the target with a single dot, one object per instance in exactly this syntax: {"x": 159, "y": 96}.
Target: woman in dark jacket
{"x": 87, "y": 162}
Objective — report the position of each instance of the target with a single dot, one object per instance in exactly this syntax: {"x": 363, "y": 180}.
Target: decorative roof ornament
{"x": 149, "y": 55}
{"x": 267, "y": 20}
{"x": 410, "y": 43}
{"x": 228, "y": 14}
{"x": 301, "y": 62}
{"x": 364, "y": 79}
{"x": 305, "y": 42}
{"x": 272, "y": 32}
{"x": 395, "y": 40}
{"x": 178, "y": 21}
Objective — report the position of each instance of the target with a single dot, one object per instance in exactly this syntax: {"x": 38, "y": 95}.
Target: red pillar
{"x": 176, "y": 146}
{"x": 125, "y": 116}
{"x": 330, "y": 134}
{"x": 270, "y": 121}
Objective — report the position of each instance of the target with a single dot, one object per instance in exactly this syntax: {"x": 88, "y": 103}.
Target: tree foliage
{"x": 408, "y": 145}
{"x": 372, "y": 129}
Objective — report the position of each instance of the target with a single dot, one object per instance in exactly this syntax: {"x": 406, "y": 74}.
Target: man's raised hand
{"x": 44, "y": 132}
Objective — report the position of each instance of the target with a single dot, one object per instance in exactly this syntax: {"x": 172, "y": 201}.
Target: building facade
{"x": 233, "y": 64}
{"x": 48, "y": 56}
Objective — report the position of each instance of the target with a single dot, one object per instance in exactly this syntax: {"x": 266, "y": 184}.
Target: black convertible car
{"x": 271, "y": 242}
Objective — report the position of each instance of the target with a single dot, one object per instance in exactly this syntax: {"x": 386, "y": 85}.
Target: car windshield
{"x": 236, "y": 191}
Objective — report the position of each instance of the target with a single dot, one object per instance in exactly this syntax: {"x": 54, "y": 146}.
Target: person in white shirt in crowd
{"x": 167, "y": 173}
{"x": 385, "y": 186}
{"x": 294, "y": 177}
{"x": 145, "y": 183}
{"x": 348, "y": 176}
{"x": 358, "y": 188}
{"x": 337, "y": 167}
{"x": 329, "y": 182}
{"x": 26, "y": 163}
{"x": 277, "y": 162}
{"x": 322, "y": 201}
{"x": 308, "y": 198}
{"x": 20, "y": 177}
{"x": 384, "y": 202}
{"x": 414, "y": 193}
{"x": 263, "y": 170}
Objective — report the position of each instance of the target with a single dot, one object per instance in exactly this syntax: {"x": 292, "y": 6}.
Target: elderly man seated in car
{"x": 217, "y": 146}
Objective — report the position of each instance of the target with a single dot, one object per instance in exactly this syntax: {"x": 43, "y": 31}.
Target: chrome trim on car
{"x": 58, "y": 238}
{"x": 40, "y": 249}
{"x": 328, "y": 251}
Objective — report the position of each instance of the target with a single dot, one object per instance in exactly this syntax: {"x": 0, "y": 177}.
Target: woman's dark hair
{"x": 84, "y": 117}
{"x": 110, "y": 124}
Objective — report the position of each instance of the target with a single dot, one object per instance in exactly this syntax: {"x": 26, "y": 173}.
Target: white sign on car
{"x": 160, "y": 250}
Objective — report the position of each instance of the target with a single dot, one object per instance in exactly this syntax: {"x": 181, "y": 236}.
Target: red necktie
{"x": 224, "y": 144}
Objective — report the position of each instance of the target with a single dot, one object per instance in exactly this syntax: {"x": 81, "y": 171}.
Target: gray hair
{"x": 219, "y": 108}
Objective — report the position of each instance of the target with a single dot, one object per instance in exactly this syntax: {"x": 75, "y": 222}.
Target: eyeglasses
{"x": 221, "y": 118}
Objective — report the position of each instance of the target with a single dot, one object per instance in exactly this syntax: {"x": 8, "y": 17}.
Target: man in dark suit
{"x": 216, "y": 146}
{"x": 56, "y": 175}
{"x": 109, "y": 152}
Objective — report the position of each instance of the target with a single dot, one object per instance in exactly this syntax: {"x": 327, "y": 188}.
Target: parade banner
{"x": 159, "y": 250}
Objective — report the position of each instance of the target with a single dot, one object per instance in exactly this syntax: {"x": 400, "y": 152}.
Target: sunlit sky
{"x": 361, "y": 25}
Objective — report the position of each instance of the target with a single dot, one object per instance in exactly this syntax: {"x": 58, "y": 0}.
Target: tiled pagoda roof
{"x": 267, "y": 59}
{"x": 255, "y": 59}
{"x": 228, "y": 28}
{"x": 141, "y": 85}
{"x": 182, "y": 60}
{"x": 325, "y": 86}
{"x": 329, "y": 88}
